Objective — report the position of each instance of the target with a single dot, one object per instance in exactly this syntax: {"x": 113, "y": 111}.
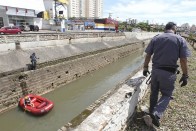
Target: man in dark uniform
{"x": 166, "y": 48}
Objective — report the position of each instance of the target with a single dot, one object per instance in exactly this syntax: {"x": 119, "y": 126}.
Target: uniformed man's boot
{"x": 155, "y": 120}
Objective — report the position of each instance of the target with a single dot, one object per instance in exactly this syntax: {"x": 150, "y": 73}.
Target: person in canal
{"x": 33, "y": 61}
{"x": 166, "y": 48}
{"x": 27, "y": 101}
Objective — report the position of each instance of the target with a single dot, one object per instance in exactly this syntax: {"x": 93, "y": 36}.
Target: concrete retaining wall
{"x": 4, "y": 47}
{"x": 53, "y": 50}
{"x": 54, "y": 36}
{"x": 42, "y": 80}
{"x": 141, "y": 35}
{"x": 54, "y": 46}
{"x": 29, "y": 41}
{"x": 113, "y": 114}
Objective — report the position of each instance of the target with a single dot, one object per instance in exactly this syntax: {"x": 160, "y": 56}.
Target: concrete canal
{"x": 71, "y": 99}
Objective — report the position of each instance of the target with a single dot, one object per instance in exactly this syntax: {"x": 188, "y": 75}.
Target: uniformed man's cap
{"x": 170, "y": 25}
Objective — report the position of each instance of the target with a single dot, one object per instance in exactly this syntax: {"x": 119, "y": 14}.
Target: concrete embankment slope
{"x": 51, "y": 47}
{"x": 63, "y": 58}
{"x": 54, "y": 47}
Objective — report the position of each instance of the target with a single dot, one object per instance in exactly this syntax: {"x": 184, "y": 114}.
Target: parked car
{"x": 10, "y": 30}
{"x": 24, "y": 27}
{"x": 34, "y": 28}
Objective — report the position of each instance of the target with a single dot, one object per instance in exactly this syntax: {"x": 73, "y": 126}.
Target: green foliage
{"x": 144, "y": 26}
{"x": 122, "y": 26}
{"x": 72, "y": 18}
{"x": 191, "y": 36}
{"x": 141, "y": 25}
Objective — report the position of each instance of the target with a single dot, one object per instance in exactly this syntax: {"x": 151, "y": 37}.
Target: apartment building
{"x": 73, "y": 8}
{"x": 85, "y": 8}
{"x": 99, "y": 8}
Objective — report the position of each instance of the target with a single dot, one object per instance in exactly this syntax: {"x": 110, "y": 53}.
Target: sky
{"x": 25, "y": 4}
{"x": 155, "y": 11}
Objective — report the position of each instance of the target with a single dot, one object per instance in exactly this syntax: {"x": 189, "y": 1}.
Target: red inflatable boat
{"x": 38, "y": 105}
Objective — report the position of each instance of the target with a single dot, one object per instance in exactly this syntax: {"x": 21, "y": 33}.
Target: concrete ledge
{"x": 43, "y": 44}
{"x": 31, "y": 41}
{"x": 114, "y": 113}
{"x": 7, "y": 47}
{"x": 51, "y": 43}
{"x": 141, "y": 35}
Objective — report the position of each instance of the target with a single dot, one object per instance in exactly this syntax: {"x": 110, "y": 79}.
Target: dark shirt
{"x": 33, "y": 57}
{"x": 166, "y": 48}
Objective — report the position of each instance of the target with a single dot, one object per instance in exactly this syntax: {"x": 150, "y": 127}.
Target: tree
{"x": 122, "y": 26}
{"x": 185, "y": 26}
{"x": 72, "y": 18}
{"x": 193, "y": 28}
{"x": 144, "y": 26}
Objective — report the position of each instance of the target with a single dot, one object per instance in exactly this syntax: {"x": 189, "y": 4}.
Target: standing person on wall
{"x": 33, "y": 61}
{"x": 166, "y": 48}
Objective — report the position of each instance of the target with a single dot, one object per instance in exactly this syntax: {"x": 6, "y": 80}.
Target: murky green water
{"x": 72, "y": 99}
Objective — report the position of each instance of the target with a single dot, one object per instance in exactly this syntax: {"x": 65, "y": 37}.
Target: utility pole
{"x": 55, "y": 15}
{"x": 110, "y": 15}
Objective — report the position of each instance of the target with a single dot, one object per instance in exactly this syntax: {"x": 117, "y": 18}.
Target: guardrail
{"x": 55, "y": 36}
{"x": 191, "y": 40}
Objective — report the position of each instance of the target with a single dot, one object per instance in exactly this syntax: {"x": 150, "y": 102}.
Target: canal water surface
{"x": 71, "y": 99}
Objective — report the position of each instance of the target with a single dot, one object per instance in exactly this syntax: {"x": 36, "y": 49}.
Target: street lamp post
{"x": 127, "y": 23}
{"x": 55, "y": 15}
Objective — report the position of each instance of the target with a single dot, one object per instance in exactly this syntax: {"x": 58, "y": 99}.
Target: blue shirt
{"x": 166, "y": 48}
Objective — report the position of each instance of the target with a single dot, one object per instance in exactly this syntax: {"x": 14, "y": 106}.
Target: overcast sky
{"x": 156, "y": 11}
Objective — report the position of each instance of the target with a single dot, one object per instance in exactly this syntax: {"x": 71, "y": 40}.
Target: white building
{"x": 99, "y": 8}
{"x": 82, "y": 8}
{"x": 74, "y": 8}
{"x": 85, "y": 8}
{"x": 17, "y": 12}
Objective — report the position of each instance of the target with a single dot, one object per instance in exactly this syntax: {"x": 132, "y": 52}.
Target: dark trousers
{"x": 161, "y": 82}
{"x": 33, "y": 65}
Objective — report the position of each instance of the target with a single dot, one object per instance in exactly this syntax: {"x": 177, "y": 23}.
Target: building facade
{"x": 19, "y": 12}
{"x": 85, "y": 8}
{"x": 25, "y": 12}
{"x": 99, "y": 8}
{"x": 74, "y": 8}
